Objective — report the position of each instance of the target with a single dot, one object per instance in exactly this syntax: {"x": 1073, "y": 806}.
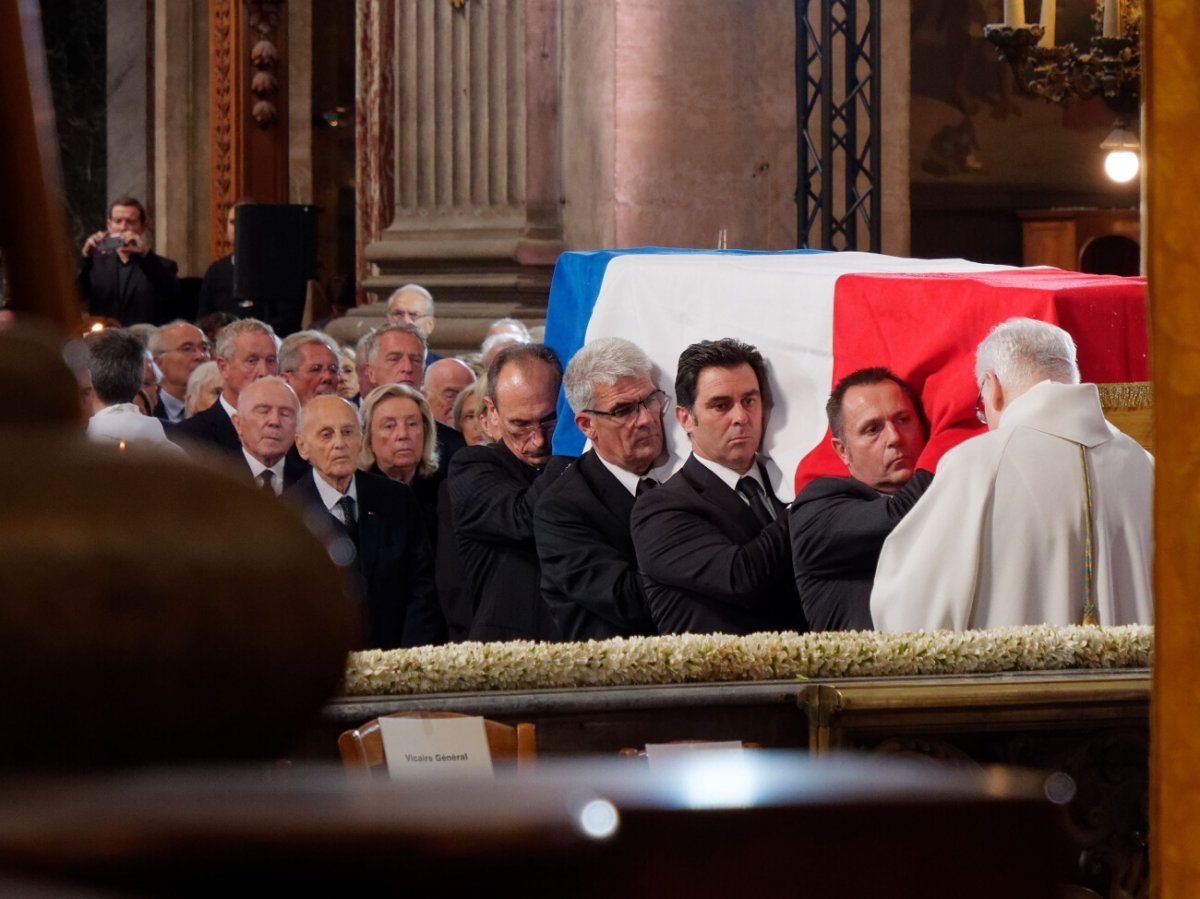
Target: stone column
{"x": 129, "y": 124}
{"x": 458, "y": 182}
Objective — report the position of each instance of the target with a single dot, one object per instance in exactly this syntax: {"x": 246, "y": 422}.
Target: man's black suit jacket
{"x": 151, "y": 293}
{"x": 589, "y": 568}
{"x": 213, "y": 426}
{"x": 838, "y": 526}
{"x": 492, "y": 498}
{"x": 216, "y": 290}
{"x": 708, "y": 565}
{"x": 394, "y": 562}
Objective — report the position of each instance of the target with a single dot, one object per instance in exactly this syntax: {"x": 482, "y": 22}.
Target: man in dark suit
{"x": 245, "y": 353}
{"x": 395, "y": 354}
{"x": 589, "y": 568}
{"x": 712, "y": 542}
{"x": 412, "y": 303}
{"x": 380, "y": 517}
{"x": 216, "y": 290}
{"x": 838, "y": 525}
{"x": 265, "y": 422}
{"x": 121, "y": 277}
{"x": 494, "y": 490}
{"x": 178, "y": 349}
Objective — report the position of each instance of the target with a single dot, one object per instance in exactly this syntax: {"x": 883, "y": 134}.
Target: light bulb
{"x": 1121, "y": 165}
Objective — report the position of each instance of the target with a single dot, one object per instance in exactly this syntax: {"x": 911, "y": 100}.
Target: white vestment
{"x": 999, "y": 538}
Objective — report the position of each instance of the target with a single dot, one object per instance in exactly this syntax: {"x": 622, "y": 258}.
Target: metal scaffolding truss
{"x": 838, "y": 98}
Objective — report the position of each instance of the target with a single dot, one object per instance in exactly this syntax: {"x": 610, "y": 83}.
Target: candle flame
{"x": 121, "y": 446}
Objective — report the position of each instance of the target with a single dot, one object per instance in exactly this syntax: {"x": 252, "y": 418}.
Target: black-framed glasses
{"x": 980, "y": 411}
{"x": 623, "y": 412}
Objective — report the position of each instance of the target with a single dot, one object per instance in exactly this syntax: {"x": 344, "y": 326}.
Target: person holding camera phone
{"x": 121, "y": 277}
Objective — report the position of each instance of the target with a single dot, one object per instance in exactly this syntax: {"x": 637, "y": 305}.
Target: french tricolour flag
{"x": 818, "y": 316}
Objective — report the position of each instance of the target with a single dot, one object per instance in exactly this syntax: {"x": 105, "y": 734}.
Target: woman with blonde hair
{"x": 400, "y": 442}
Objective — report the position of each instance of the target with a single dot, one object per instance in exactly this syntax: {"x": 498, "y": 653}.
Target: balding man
{"x": 589, "y": 567}
{"x": 412, "y": 303}
{"x": 265, "y": 421}
{"x": 177, "y": 349}
{"x": 1044, "y": 519}
{"x": 308, "y": 361}
{"x": 493, "y": 491}
{"x": 444, "y": 381}
{"x": 380, "y": 517}
{"x": 245, "y": 353}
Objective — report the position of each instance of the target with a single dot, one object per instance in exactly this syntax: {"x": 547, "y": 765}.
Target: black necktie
{"x": 645, "y": 485}
{"x": 267, "y": 479}
{"x": 752, "y": 491}
{"x": 346, "y": 504}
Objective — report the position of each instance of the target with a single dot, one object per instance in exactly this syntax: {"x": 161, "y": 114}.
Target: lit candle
{"x": 121, "y": 447}
{"x": 1014, "y": 13}
{"x": 1049, "y": 11}
{"x": 1112, "y": 18}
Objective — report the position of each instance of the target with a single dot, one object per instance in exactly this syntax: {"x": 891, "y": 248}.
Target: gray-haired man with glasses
{"x": 589, "y": 567}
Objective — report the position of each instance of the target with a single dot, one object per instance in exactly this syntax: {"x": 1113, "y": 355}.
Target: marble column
{"x": 128, "y": 50}
{"x": 458, "y": 181}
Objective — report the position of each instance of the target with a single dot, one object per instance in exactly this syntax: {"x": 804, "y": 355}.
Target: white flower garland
{"x": 714, "y": 658}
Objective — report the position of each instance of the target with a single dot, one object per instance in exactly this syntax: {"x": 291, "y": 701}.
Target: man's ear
{"x": 684, "y": 417}
{"x": 840, "y": 448}
{"x": 587, "y": 425}
{"x": 237, "y": 424}
{"x": 994, "y": 391}
{"x": 222, "y": 365}
{"x": 301, "y": 448}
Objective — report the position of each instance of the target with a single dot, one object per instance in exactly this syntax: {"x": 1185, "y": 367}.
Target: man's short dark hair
{"x": 116, "y": 360}
{"x": 865, "y": 377}
{"x": 521, "y": 354}
{"x": 724, "y": 353}
{"x": 129, "y": 201}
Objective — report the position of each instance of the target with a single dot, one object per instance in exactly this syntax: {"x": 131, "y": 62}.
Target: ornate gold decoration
{"x": 222, "y": 117}
{"x": 263, "y": 19}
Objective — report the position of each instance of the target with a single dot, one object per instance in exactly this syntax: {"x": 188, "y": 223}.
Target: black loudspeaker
{"x": 274, "y": 258}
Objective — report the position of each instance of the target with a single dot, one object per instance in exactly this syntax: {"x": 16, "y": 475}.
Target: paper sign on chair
{"x": 422, "y": 748}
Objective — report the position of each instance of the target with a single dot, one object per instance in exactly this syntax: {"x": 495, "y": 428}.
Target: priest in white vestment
{"x": 1044, "y": 519}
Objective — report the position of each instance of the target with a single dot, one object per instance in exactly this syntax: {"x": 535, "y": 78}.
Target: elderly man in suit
{"x": 712, "y": 542}
{"x": 309, "y": 362}
{"x": 178, "y": 349}
{"x": 589, "y": 567}
{"x": 494, "y": 490}
{"x": 245, "y": 353}
{"x": 266, "y": 423}
{"x": 838, "y": 525}
{"x": 380, "y": 517}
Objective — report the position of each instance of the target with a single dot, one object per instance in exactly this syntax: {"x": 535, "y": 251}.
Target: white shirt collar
{"x": 628, "y": 479}
{"x": 229, "y": 410}
{"x": 173, "y": 407}
{"x": 257, "y": 468}
{"x": 730, "y": 477}
{"x": 329, "y": 496}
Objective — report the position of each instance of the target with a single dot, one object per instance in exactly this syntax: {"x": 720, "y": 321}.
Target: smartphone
{"x": 109, "y": 243}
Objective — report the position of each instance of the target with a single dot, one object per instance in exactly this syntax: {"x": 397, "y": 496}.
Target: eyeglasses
{"x": 980, "y": 411}
{"x": 400, "y": 315}
{"x": 625, "y": 412}
{"x": 189, "y": 348}
{"x": 525, "y": 431}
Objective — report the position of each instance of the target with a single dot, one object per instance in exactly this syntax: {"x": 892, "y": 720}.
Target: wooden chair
{"x": 362, "y": 747}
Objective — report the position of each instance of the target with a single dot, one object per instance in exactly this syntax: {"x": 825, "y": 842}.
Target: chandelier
{"x": 1110, "y": 67}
